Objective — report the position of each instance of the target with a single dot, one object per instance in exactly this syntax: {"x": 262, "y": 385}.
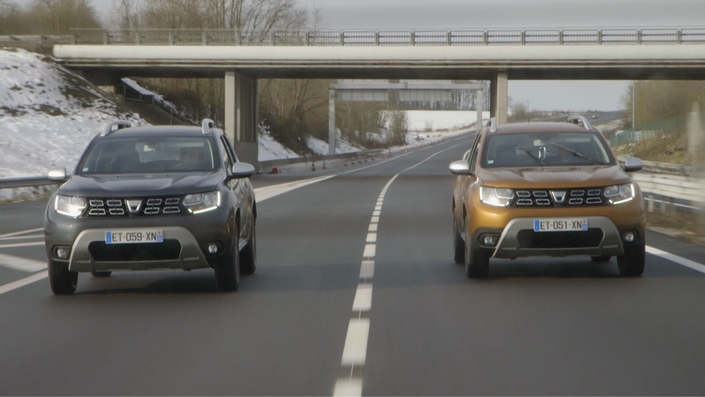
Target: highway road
{"x": 356, "y": 292}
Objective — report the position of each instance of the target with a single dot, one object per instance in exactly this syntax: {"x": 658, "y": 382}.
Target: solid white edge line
{"x": 25, "y": 281}
{"x": 677, "y": 259}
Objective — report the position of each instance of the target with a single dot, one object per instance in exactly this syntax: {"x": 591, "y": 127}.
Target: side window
{"x": 473, "y": 152}
{"x": 225, "y": 153}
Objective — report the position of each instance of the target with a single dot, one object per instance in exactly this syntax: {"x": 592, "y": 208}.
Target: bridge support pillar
{"x": 499, "y": 95}
{"x": 332, "y": 133}
{"x": 241, "y": 116}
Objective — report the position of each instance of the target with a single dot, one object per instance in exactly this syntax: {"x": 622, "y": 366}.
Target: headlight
{"x": 619, "y": 194}
{"x": 496, "y": 196}
{"x": 70, "y": 205}
{"x": 202, "y": 202}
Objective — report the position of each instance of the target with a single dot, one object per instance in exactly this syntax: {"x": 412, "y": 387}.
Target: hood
{"x": 134, "y": 185}
{"x": 554, "y": 177}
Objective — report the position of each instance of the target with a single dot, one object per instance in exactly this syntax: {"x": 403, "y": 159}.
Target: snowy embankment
{"x": 47, "y": 114}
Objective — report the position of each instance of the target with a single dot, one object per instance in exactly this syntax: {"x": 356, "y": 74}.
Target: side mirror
{"x": 632, "y": 164}
{"x": 242, "y": 170}
{"x": 460, "y": 167}
{"x": 57, "y": 175}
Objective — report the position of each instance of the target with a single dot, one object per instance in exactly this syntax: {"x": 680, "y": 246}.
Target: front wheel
{"x": 477, "y": 263}
{"x": 633, "y": 261}
{"x": 227, "y": 273}
{"x": 248, "y": 255}
{"x": 458, "y": 246}
{"x": 62, "y": 281}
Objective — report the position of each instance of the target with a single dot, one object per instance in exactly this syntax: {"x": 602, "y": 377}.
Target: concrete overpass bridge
{"x": 494, "y": 55}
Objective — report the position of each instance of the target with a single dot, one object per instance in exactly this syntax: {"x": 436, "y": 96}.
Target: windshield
{"x": 545, "y": 149}
{"x": 148, "y": 155}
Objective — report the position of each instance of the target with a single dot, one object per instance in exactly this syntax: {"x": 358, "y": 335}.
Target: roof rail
{"x": 493, "y": 124}
{"x": 118, "y": 124}
{"x": 578, "y": 119}
{"x": 206, "y": 126}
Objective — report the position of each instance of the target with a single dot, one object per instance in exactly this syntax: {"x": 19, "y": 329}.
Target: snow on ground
{"x": 320, "y": 147}
{"x": 47, "y": 115}
{"x": 442, "y": 120}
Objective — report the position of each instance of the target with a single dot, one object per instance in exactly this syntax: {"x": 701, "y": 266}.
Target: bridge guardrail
{"x": 477, "y": 37}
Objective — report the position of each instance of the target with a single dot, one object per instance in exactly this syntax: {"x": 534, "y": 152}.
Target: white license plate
{"x": 134, "y": 236}
{"x": 560, "y": 225}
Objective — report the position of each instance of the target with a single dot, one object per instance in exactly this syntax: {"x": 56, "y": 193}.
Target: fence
{"x": 650, "y": 131}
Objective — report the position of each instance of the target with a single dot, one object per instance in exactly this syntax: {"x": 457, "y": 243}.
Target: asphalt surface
{"x": 535, "y": 327}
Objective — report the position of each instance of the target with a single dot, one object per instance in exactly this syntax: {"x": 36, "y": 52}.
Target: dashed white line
{"x": 369, "y": 251}
{"x": 363, "y": 298}
{"x": 367, "y": 269}
{"x": 355, "y": 350}
{"x": 371, "y": 237}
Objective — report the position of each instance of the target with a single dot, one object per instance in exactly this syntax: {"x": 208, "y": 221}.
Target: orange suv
{"x": 546, "y": 189}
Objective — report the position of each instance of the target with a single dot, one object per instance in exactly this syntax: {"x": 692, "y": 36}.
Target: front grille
{"x": 552, "y": 197}
{"x": 151, "y": 206}
{"x": 579, "y": 239}
{"x": 102, "y": 252}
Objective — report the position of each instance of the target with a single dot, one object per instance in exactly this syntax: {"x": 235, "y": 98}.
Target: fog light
{"x": 629, "y": 237}
{"x": 489, "y": 239}
{"x": 62, "y": 252}
{"x": 212, "y": 248}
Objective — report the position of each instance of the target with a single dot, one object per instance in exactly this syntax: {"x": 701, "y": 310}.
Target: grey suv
{"x": 145, "y": 198}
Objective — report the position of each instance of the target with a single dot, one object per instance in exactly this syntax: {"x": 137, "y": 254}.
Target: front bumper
{"x": 190, "y": 256}
{"x": 512, "y": 244}
{"x": 188, "y": 235}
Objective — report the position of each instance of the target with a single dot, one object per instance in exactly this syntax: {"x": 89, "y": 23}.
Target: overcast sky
{"x": 471, "y": 14}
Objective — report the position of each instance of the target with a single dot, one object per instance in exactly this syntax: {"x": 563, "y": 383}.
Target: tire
{"x": 101, "y": 274}
{"x": 62, "y": 281}
{"x": 458, "y": 246}
{"x": 227, "y": 273}
{"x": 248, "y": 255}
{"x": 477, "y": 264}
{"x": 601, "y": 259}
{"x": 632, "y": 263}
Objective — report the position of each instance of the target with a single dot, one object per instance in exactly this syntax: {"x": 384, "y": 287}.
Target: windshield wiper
{"x": 574, "y": 153}
{"x": 533, "y": 156}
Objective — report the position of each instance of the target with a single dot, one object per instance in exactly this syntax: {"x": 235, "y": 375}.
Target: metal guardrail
{"x": 475, "y": 37}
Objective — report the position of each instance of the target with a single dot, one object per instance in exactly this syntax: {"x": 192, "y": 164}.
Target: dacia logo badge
{"x": 134, "y": 205}
{"x": 558, "y": 196}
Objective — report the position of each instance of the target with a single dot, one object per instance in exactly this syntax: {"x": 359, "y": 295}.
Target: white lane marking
{"x": 348, "y": 387}
{"x": 34, "y": 236}
{"x": 367, "y": 269}
{"x": 21, "y": 244}
{"x": 677, "y": 259}
{"x": 21, "y": 283}
{"x": 17, "y": 263}
{"x": 369, "y": 251}
{"x": 363, "y": 298}
{"x": 21, "y": 232}
{"x": 267, "y": 192}
{"x": 355, "y": 350}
